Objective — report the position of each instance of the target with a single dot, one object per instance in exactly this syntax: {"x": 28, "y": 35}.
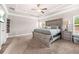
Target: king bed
{"x": 50, "y": 33}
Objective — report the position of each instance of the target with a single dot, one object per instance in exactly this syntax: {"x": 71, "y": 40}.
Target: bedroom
{"x": 23, "y": 36}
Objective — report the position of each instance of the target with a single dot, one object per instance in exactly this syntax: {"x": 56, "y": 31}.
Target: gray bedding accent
{"x": 52, "y": 32}
{"x": 44, "y": 38}
{"x": 43, "y": 31}
{"x": 55, "y": 22}
{"x": 47, "y": 36}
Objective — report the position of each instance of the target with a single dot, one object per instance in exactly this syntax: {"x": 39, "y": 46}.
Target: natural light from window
{"x": 76, "y": 24}
{"x": 1, "y": 16}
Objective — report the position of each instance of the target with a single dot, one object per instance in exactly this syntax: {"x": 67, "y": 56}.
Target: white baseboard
{"x": 19, "y": 35}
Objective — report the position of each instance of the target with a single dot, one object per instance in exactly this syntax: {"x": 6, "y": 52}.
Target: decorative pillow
{"x": 54, "y": 27}
{"x": 48, "y": 27}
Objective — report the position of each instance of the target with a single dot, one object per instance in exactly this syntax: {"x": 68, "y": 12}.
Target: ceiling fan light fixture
{"x": 39, "y": 10}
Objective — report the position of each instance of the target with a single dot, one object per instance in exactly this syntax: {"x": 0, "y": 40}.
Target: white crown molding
{"x": 69, "y": 8}
{"x": 46, "y": 17}
{"x": 20, "y": 15}
{"x": 64, "y": 11}
{"x": 5, "y": 8}
{"x": 14, "y": 14}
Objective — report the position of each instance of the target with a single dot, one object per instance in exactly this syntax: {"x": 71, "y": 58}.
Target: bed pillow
{"x": 48, "y": 27}
{"x": 54, "y": 27}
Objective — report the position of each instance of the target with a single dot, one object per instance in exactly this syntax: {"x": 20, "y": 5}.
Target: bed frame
{"x": 45, "y": 39}
{"x": 55, "y": 22}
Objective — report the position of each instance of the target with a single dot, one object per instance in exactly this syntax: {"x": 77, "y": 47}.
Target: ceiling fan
{"x": 39, "y": 9}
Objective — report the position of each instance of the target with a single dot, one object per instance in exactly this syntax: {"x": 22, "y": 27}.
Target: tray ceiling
{"x": 26, "y": 9}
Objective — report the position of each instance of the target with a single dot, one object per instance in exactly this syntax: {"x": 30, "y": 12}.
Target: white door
{"x": 2, "y": 33}
{"x": 2, "y": 26}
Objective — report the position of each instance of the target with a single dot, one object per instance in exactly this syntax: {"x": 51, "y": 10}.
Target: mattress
{"x": 52, "y": 32}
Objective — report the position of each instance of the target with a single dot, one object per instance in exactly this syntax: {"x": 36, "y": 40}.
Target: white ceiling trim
{"x": 5, "y": 8}
{"x": 41, "y": 18}
{"x": 45, "y": 17}
{"x": 14, "y": 14}
{"x": 64, "y": 11}
{"x": 20, "y": 15}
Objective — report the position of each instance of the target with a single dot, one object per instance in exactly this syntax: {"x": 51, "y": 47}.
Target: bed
{"x": 49, "y": 34}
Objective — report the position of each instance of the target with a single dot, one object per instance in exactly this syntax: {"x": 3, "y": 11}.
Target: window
{"x": 2, "y": 15}
{"x": 76, "y": 24}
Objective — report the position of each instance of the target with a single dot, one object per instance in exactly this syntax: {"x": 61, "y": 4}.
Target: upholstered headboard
{"x": 55, "y": 22}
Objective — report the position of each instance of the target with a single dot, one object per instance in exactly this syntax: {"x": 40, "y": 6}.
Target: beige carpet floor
{"x": 24, "y": 45}
{"x": 4, "y": 46}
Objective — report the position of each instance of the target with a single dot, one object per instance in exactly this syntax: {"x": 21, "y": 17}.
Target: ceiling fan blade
{"x": 44, "y": 9}
{"x": 42, "y": 12}
{"x": 38, "y": 5}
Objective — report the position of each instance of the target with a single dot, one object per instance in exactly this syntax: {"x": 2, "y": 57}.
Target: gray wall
{"x": 21, "y": 25}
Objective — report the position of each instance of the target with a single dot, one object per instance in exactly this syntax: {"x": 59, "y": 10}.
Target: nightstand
{"x": 75, "y": 38}
{"x": 67, "y": 35}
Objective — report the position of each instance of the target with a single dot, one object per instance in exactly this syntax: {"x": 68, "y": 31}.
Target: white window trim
{"x": 74, "y": 21}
